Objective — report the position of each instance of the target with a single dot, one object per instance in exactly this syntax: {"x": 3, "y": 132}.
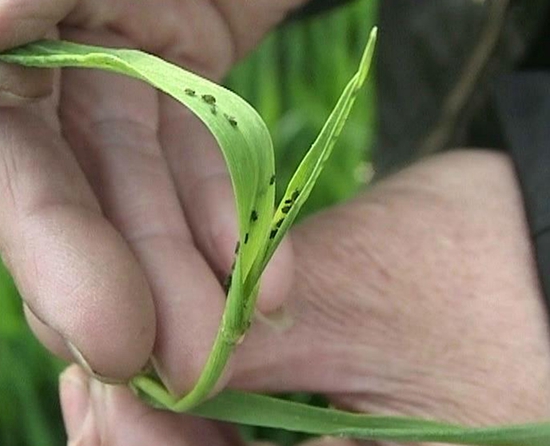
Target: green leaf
{"x": 248, "y": 151}
{"x": 245, "y": 143}
{"x": 261, "y": 410}
{"x": 303, "y": 180}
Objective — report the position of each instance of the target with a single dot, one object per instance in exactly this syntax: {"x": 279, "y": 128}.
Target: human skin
{"x": 117, "y": 218}
{"x": 416, "y": 298}
{"x": 419, "y": 298}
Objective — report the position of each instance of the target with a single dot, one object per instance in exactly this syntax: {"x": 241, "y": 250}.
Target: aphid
{"x": 295, "y": 195}
{"x": 209, "y": 99}
{"x": 237, "y": 247}
{"x": 214, "y": 110}
{"x": 272, "y": 180}
{"x": 273, "y": 233}
{"x": 254, "y": 216}
{"x": 288, "y": 201}
{"x": 227, "y": 283}
{"x": 279, "y": 223}
{"x": 231, "y": 120}
{"x": 190, "y": 92}
{"x": 246, "y": 236}
{"x": 286, "y": 209}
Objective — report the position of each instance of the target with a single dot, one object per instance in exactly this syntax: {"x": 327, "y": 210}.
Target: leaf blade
{"x": 245, "y": 143}
{"x": 265, "y": 411}
{"x": 307, "y": 173}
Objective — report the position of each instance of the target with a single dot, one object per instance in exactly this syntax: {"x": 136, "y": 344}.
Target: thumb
{"x": 22, "y": 21}
{"x": 310, "y": 344}
{"x": 406, "y": 300}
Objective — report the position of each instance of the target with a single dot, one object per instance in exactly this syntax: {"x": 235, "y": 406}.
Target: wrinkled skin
{"x": 419, "y": 297}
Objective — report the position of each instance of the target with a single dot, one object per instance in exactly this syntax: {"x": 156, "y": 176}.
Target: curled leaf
{"x": 248, "y": 151}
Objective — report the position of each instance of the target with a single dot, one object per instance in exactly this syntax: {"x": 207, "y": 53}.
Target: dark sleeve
{"x": 522, "y": 100}
{"x": 315, "y": 7}
{"x": 523, "y": 106}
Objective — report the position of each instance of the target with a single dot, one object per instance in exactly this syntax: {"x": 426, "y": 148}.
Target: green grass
{"x": 293, "y": 80}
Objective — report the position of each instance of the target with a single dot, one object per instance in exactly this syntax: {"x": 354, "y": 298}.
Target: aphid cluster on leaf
{"x": 211, "y": 100}
{"x": 285, "y": 210}
{"x": 254, "y": 216}
{"x": 290, "y": 201}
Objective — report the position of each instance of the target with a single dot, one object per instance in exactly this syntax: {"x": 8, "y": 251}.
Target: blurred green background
{"x": 293, "y": 79}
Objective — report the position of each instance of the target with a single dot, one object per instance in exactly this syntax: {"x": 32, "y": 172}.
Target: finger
{"x": 97, "y": 414}
{"x": 111, "y": 122}
{"x": 155, "y": 25}
{"x": 23, "y": 21}
{"x": 205, "y": 191}
{"x": 324, "y": 330}
{"x": 310, "y": 354}
{"x": 22, "y": 85}
{"x": 250, "y": 21}
{"x": 73, "y": 270}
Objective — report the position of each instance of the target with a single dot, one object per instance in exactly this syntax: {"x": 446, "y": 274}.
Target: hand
{"x": 418, "y": 298}
{"x": 117, "y": 216}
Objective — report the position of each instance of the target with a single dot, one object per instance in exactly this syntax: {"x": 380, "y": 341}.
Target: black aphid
{"x": 190, "y": 92}
{"x": 227, "y": 283}
{"x": 286, "y": 209}
{"x": 273, "y": 233}
{"x": 272, "y": 180}
{"x": 295, "y": 195}
{"x": 288, "y": 201}
{"x": 209, "y": 99}
{"x": 279, "y": 223}
{"x": 231, "y": 120}
{"x": 254, "y": 216}
{"x": 246, "y": 236}
{"x": 237, "y": 247}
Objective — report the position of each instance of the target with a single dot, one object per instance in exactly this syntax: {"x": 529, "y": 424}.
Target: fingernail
{"x": 279, "y": 320}
{"x": 21, "y": 85}
{"x": 75, "y": 400}
{"x": 83, "y": 362}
